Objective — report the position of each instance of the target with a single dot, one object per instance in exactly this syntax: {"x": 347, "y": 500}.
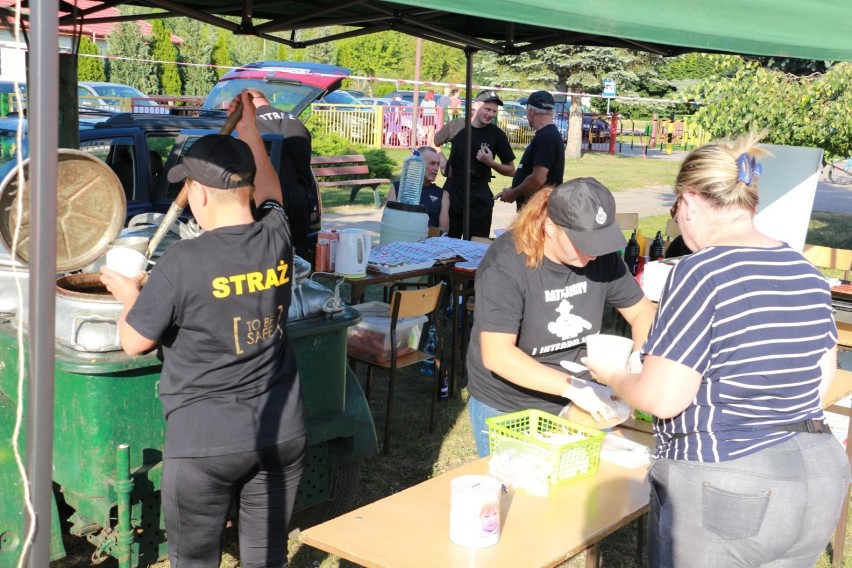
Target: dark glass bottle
{"x": 631, "y": 254}
{"x": 444, "y": 390}
{"x": 658, "y": 247}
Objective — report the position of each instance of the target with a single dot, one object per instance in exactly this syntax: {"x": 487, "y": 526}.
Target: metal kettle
{"x": 353, "y": 250}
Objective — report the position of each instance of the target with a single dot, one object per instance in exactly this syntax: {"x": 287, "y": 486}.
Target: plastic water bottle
{"x": 411, "y": 180}
{"x": 631, "y": 254}
{"x": 427, "y": 367}
{"x": 658, "y": 248}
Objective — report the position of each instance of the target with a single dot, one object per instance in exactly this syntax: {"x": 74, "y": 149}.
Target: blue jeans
{"x": 775, "y": 508}
{"x": 478, "y": 412}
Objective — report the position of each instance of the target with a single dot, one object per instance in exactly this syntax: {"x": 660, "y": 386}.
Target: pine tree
{"x": 90, "y": 68}
{"x": 162, "y": 49}
{"x": 196, "y": 49}
{"x": 136, "y": 71}
{"x": 221, "y": 56}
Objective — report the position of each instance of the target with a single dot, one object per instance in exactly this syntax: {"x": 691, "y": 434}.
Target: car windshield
{"x": 286, "y": 96}
{"x": 117, "y": 91}
{"x": 341, "y": 98}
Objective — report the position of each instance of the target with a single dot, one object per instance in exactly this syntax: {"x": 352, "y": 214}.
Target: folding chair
{"x": 406, "y": 304}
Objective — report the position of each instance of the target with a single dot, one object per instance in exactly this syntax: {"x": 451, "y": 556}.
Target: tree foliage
{"x": 136, "y": 70}
{"x": 198, "y": 77}
{"x": 162, "y": 49}
{"x": 245, "y": 49}
{"x": 90, "y": 68}
{"x": 700, "y": 66}
{"x": 221, "y": 56}
{"x": 800, "y": 111}
{"x": 374, "y": 55}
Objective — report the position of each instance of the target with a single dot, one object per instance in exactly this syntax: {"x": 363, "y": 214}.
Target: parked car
{"x": 384, "y": 101}
{"x": 356, "y": 94}
{"x": 289, "y": 85}
{"x": 139, "y": 148}
{"x": 513, "y": 116}
{"x": 117, "y": 97}
{"x": 343, "y": 101}
{"x": 595, "y": 127}
{"x": 292, "y": 86}
{"x": 406, "y": 95}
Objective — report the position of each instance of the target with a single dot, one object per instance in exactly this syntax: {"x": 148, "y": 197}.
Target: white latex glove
{"x": 591, "y": 397}
{"x": 634, "y": 364}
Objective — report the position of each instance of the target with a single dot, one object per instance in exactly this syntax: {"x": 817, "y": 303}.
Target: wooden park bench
{"x": 347, "y": 171}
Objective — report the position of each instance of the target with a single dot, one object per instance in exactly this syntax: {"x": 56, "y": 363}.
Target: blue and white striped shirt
{"x": 754, "y": 323}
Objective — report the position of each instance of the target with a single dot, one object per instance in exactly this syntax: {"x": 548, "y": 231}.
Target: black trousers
{"x": 481, "y": 208}
{"x": 197, "y": 495}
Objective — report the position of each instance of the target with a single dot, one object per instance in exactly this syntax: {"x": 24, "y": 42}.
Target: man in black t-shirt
{"x": 488, "y": 144}
{"x": 300, "y": 193}
{"x": 543, "y": 162}
{"x": 217, "y": 304}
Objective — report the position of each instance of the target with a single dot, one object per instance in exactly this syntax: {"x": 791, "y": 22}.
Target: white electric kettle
{"x": 353, "y": 250}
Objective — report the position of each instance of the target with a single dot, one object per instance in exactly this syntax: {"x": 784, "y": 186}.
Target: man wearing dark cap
{"x": 488, "y": 144}
{"x": 299, "y": 187}
{"x": 543, "y": 162}
{"x": 217, "y": 305}
{"x": 541, "y": 290}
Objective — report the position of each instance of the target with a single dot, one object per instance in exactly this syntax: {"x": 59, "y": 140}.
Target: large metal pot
{"x": 86, "y": 314}
{"x": 90, "y": 214}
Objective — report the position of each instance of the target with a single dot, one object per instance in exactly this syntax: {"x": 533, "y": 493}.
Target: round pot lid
{"x": 90, "y": 210}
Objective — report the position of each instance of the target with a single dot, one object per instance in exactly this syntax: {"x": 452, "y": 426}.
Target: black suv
{"x": 139, "y": 148}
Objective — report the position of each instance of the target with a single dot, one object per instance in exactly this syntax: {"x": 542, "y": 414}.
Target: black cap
{"x": 489, "y": 97}
{"x": 216, "y": 160}
{"x": 585, "y": 210}
{"x": 542, "y": 100}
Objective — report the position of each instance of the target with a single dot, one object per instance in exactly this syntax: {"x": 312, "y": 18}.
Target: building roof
{"x": 97, "y": 29}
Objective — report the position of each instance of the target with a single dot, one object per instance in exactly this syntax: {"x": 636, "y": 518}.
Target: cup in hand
{"x": 610, "y": 349}
{"x": 126, "y": 261}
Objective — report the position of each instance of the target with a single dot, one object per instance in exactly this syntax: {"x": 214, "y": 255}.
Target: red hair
{"x": 528, "y": 227}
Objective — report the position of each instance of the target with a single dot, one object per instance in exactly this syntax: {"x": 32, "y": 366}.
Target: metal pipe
{"x": 468, "y": 130}
{"x": 44, "y": 139}
{"x": 123, "y": 489}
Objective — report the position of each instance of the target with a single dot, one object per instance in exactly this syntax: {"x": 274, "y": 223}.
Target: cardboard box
{"x": 328, "y": 237}
{"x": 371, "y": 337}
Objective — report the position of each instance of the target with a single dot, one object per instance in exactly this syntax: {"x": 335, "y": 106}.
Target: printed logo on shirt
{"x": 257, "y": 330}
{"x": 567, "y": 326}
{"x": 251, "y": 282}
{"x": 272, "y": 115}
{"x": 434, "y": 198}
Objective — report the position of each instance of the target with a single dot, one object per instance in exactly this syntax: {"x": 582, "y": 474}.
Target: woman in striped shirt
{"x": 742, "y": 347}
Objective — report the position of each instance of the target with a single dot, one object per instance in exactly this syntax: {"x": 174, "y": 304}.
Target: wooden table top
{"x": 411, "y": 528}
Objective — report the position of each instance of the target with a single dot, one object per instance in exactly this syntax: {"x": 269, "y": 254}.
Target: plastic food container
{"x": 544, "y": 433}
{"x": 371, "y": 337}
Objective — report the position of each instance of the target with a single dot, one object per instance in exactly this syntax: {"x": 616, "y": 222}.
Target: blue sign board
{"x": 609, "y": 88}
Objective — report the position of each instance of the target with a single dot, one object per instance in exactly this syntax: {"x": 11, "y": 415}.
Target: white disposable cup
{"x": 126, "y": 261}
{"x": 610, "y": 349}
{"x": 475, "y": 511}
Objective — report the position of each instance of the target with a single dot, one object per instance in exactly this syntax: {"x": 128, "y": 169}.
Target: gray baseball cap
{"x": 585, "y": 210}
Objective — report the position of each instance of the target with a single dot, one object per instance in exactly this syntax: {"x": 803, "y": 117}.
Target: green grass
{"x": 622, "y": 173}
{"x": 618, "y": 173}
